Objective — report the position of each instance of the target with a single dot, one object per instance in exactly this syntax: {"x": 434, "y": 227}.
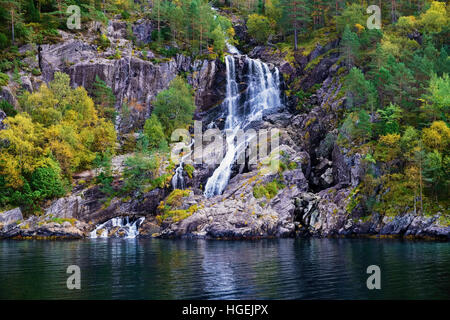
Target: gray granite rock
{"x": 10, "y": 216}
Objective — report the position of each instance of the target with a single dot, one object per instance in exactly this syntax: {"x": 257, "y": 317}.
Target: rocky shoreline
{"x": 310, "y": 217}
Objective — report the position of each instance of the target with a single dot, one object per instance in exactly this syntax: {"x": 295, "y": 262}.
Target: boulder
{"x": 7, "y": 94}
{"x": 117, "y": 29}
{"x": 149, "y": 228}
{"x": 26, "y": 83}
{"x": 323, "y": 214}
{"x": 398, "y": 225}
{"x": 347, "y": 166}
{"x": 326, "y": 179}
{"x": 319, "y": 73}
{"x": 10, "y": 216}
{"x": 142, "y": 30}
{"x": 2, "y": 117}
{"x": 68, "y": 207}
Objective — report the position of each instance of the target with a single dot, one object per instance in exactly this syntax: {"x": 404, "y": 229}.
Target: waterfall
{"x": 120, "y": 227}
{"x": 178, "y": 179}
{"x": 263, "y": 93}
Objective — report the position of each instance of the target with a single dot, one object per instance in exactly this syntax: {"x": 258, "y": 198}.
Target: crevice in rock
{"x": 39, "y": 49}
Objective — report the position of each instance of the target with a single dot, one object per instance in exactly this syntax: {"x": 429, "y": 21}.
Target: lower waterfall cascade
{"x": 178, "y": 179}
{"x": 119, "y": 227}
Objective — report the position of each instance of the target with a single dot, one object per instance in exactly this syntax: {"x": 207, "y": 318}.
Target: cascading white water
{"x": 120, "y": 227}
{"x": 263, "y": 93}
{"x": 178, "y": 179}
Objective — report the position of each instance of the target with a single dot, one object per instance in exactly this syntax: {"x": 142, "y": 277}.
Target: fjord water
{"x": 201, "y": 269}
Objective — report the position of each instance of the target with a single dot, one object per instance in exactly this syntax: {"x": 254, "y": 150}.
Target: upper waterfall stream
{"x": 262, "y": 93}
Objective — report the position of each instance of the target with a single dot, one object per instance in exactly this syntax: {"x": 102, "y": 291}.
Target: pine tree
{"x": 403, "y": 86}
{"x": 349, "y": 46}
{"x": 297, "y": 15}
{"x": 443, "y": 62}
{"x": 104, "y": 98}
{"x": 356, "y": 88}
{"x": 154, "y": 132}
{"x": 32, "y": 12}
{"x": 14, "y": 15}
{"x": 379, "y": 74}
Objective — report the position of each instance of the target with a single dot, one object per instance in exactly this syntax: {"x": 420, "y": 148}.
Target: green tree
{"x": 380, "y": 75}
{"x": 349, "y": 46}
{"x": 403, "y": 86}
{"x": 389, "y": 119}
{"x": 154, "y": 132}
{"x": 47, "y": 181}
{"x": 139, "y": 171}
{"x": 435, "y": 173}
{"x": 409, "y": 141}
{"x": 296, "y": 15}
{"x": 274, "y": 11}
{"x": 352, "y": 15}
{"x": 259, "y": 27}
{"x": 13, "y": 15}
{"x": 437, "y": 98}
{"x": 435, "y": 17}
{"x": 7, "y": 108}
{"x": 218, "y": 38}
{"x": 104, "y": 98}
{"x": 359, "y": 90}
{"x": 443, "y": 62}
{"x": 175, "y": 106}
{"x": 3, "y": 41}
{"x": 105, "y": 175}
{"x": 32, "y": 13}
{"x": 363, "y": 127}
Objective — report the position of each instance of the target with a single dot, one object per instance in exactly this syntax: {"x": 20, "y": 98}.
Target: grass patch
{"x": 268, "y": 190}
{"x": 189, "y": 170}
{"x": 308, "y": 42}
{"x": 62, "y": 220}
{"x": 168, "y": 207}
{"x": 174, "y": 198}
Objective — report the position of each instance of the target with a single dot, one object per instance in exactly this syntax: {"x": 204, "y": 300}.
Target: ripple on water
{"x": 190, "y": 269}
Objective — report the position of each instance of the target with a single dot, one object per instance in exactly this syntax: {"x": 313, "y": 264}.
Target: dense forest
{"x": 395, "y": 81}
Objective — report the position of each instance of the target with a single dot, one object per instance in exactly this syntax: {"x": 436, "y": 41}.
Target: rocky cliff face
{"x": 134, "y": 79}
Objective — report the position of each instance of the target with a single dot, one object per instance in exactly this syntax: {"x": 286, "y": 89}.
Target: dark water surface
{"x": 191, "y": 269}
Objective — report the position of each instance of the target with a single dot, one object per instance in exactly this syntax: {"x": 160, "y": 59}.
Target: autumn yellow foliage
{"x": 437, "y": 136}
{"x": 57, "y": 123}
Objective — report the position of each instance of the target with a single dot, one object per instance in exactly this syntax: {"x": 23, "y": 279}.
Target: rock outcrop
{"x": 2, "y": 117}
{"x": 238, "y": 214}
{"x": 326, "y": 214}
{"x": 10, "y": 216}
{"x": 142, "y": 30}
{"x": 134, "y": 79}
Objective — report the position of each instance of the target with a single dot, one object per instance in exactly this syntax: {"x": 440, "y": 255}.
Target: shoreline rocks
{"x": 230, "y": 217}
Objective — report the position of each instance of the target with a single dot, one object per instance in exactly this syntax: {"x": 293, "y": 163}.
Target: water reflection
{"x": 187, "y": 269}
